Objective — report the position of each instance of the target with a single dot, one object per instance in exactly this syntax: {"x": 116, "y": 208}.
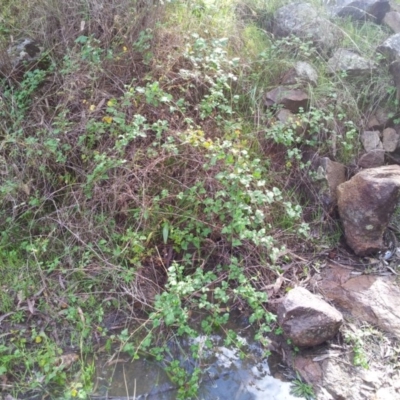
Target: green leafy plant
{"x": 359, "y": 354}
{"x": 302, "y": 389}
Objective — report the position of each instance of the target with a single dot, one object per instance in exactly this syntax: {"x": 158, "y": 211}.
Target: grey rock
{"x": 390, "y": 139}
{"x": 304, "y": 21}
{"x": 392, "y": 20}
{"x": 353, "y": 64}
{"x": 372, "y": 159}
{"x": 390, "y": 48}
{"x": 306, "y": 319}
{"x": 301, "y": 73}
{"x": 292, "y": 99}
{"x": 366, "y": 203}
{"x": 362, "y": 10}
{"x": 371, "y": 140}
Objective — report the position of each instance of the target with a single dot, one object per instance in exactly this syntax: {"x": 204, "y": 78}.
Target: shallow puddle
{"x": 225, "y": 374}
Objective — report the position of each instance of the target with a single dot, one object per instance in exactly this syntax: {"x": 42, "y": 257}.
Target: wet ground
{"x": 225, "y": 374}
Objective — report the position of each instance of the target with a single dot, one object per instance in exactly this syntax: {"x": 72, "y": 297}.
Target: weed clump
{"x": 141, "y": 176}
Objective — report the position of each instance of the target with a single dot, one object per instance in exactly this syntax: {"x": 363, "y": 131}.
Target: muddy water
{"x": 225, "y": 375}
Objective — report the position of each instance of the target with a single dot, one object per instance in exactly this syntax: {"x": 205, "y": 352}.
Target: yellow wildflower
{"x": 74, "y": 392}
{"x": 110, "y": 103}
{"x": 107, "y": 119}
{"x": 125, "y": 49}
{"x": 208, "y": 143}
{"x": 38, "y": 339}
{"x": 92, "y": 107}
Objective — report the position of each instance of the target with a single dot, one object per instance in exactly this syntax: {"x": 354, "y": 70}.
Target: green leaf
{"x": 165, "y": 232}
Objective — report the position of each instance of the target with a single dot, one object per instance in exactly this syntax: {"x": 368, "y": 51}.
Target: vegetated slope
{"x": 138, "y": 179}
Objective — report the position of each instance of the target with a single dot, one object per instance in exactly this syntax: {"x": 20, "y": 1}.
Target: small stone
{"x": 329, "y": 175}
{"x": 289, "y": 119}
{"x": 371, "y": 140}
{"x": 292, "y": 99}
{"x": 390, "y": 139}
{"x": 301, "y": 73}
{"x": 306, "y": 319}
{"x": 379, "y": 120}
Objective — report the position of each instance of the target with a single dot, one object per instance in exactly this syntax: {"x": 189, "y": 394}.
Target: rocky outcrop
{"x": 306, "y": 319}
{"x": 334, "y": 377}
{"x": 304, "y": 21}
{"x": 366, "y": 203}
{"x": 291, "y": 99}
{"x": 371, "y": 298}
{"x": 330, "y": 369}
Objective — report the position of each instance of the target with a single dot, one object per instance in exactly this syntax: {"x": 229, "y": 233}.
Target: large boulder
{"x": 304, "y": 21}
{"x": 306, "y": 319}
{"x": 366, "y": 203}
{"x": 362, "y": 10}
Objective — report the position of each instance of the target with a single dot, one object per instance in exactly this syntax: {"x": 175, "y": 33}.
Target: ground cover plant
{"x": 141, "y": 179}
